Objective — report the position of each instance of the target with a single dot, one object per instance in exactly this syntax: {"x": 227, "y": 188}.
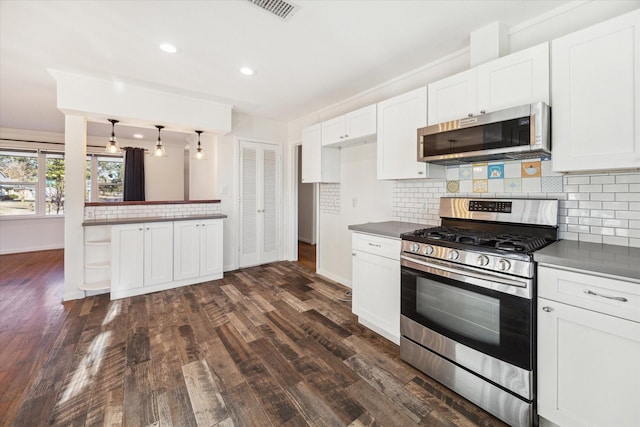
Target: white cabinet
{"x": 376, "y": 284}
{"x": 351, "y": 128}
{"x": 319, "y": 164}
{"x": 588, "y": 349}
{"x": 142, "y": 255}
{"x": 398, "y": 121}
{"x": 596, "y": 96}
{"x": 197, "y": 249}
{"x": 513, "y": 80}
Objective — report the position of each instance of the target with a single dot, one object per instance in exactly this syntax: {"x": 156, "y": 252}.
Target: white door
{"x": 127, "y": 257}
{"x": 211, "y": 247}
{"x": 158, "y": 253}
{"x": 186, "y": 249}
{"x": 259, "y": 203}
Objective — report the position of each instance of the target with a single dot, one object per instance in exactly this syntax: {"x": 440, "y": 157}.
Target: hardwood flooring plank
{"x": 221, "y": 363}
{"x": 282, "y": 371}
{"x": 180, "y": 407}
{"x": 186, "y": 344}
{"x": 245, "y": 408}
{"x": 326, "y": 322}
{"x": 366, "y": 420}
{"x": 314, "y": 410}
{"x": 293, "y": 331}
{"x": 206, "y": 400}
{"x": 243, "y": 325}
{"x": 327, "y": 339}
{"x": 383, "y": 409}
{"x": 402, "y": 371}
{"x": 388, "y": 385}
{"x": 139, "y": 403}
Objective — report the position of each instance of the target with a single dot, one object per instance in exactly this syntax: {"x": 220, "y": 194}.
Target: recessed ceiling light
{"x": 138, "y": 135}
{"x": 168, "y": 47}
{"x": 246, "y": 71}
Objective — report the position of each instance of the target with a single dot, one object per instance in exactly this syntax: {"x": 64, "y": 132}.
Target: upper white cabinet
{"x": 319, "y": 164}
{"x": 596, "y": 96}
{"x": 398, "y": 121}
{"x": 350, "y": 128}
{"x": 516, "y": 79}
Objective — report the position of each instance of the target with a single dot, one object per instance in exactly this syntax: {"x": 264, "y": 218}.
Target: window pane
{"x": 54, "y": 190}
{"x": 18, "y": 179}
{"x": 87, "y": 179}
{"x": 110, "y": 179}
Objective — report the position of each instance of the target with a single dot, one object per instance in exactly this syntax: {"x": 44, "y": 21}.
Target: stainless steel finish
{"x": 622, "y": 299}
{"x": 511, "y": 377}
{"x": 520, "y": 287}
{"x": 503, "y": 265}
{"x": 453, "y": 255}
{"x": 503, "y": 405}
{"x": 374, "y": 245}
{"x": 523, "y": 211}
{"x": 518, "y": 267}
{"x": 547, "y": 309}
{"x": 482, "y": 260}
{"x": 540, "y": 138}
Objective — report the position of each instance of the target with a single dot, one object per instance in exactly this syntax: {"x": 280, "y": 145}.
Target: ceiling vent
{"x": 280, "y": 8}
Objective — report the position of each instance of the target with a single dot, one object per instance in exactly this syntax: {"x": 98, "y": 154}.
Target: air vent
{"x": 279, "y": 8}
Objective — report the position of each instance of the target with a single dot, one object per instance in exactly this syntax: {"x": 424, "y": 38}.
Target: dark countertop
{"x": 391, "y": 229}
{"x": 121, "y": 221}
{"x": 615, "y": 260}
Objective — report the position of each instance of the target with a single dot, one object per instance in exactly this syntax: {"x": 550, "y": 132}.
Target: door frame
{"x": 279, "y": 195}
{"x": 293, "y": 231}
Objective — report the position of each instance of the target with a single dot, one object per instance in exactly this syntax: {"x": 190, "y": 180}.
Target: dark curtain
{"x": 134, "y": 174}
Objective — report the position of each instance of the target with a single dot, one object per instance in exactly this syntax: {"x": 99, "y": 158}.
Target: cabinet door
{"x": 376, "y": 293}
{"x": 333, "y": 130}
{"x": 127, "y": 257}
{"x": 453, "y": 97}
{"x": 158, "y": 253}
{"x": 361, "y": 122}
{"x": 587, "y": 367}
{"x": 398, "y": 121}
{"x": 319, "y": 164}
{"x": 211, "y": 247}
{"x": 513, "y": 80}
{"x": 596, "y": 96}
{"x": 186, "y": 249}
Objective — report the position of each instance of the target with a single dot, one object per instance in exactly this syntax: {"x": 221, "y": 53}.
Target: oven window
{"x": 465, "y": 312}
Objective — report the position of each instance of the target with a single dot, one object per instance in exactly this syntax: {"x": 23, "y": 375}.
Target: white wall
{"x": 334, "y": 238}
{"x": 33, "y": 234}
{"x": 227, "y": 167}
{"x": 306, "y": 207}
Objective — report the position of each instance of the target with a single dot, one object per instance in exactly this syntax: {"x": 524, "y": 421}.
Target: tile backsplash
{"x": 146, "y": 211}
{"x": 330, "y": 198}
{"x": 516, "y": 176}
{"x": 600, "y": 208}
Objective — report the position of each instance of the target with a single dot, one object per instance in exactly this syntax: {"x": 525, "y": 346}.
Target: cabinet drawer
{"x": 377, "y": 245}
{"x": 615, "y": 297}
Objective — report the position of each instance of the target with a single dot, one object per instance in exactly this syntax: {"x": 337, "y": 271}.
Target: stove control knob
{"x": 414, "y": 247}
{"x": 428, "y": 250}
{"x": 482, "y": 260}
{"x": 453, "y": 255}
{"x": 503, "y": 265}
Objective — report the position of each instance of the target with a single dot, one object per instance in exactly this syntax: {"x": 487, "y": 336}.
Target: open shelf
{"x": 97, "y": 286}
{"x": 94, "y": 265}
{"x": 98, "y": 242}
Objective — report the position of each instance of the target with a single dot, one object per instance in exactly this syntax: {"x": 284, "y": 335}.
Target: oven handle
{"x": 467, "y": 276}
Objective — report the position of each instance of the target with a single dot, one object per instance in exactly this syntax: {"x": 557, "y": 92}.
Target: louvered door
{"x": 259, "y": 203}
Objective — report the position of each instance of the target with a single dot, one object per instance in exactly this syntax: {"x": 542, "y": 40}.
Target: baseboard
{"x": 334, "y": 277}
{"x": 68, "y": 296}
{"x": 30, "y": 249}
{"x": 306, "y": 240}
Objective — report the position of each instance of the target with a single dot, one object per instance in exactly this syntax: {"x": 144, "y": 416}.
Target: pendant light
{"x": 112, "y": 146}
{"x": 159, "y": 150}
{"x": 199, "y": 153}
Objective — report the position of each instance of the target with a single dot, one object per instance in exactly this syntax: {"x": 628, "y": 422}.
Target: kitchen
{"x": 417, "y": 200}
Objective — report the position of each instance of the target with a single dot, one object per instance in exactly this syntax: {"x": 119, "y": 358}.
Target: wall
{"x": 306, "y": 207}
{"x": 164, "y": 181}
{"x": 334, "y": 238}
{"x": 227, "y": 170}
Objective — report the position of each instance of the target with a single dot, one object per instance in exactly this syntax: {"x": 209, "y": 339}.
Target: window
{"x": 18, "y": 182}
{"x": 105, "y": 179}
{"x": 54, "y": 189}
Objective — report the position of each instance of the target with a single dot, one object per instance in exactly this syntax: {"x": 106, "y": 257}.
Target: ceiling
{"x": 327, "y": 51}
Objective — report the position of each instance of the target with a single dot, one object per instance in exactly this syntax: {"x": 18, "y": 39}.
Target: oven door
{"x": 480, "y": 311}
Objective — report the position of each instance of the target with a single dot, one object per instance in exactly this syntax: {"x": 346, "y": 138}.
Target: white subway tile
{"x": 579, "y": 212}
{"x": 590, "y": 205}
{"x": 568, "y": 236}
{"x": 634, "y": 243}
{"x": 578, "y": 228}
{"x": 612, "y": 240}
{"x": 628, "y": 197}
{"x": 578, "y": 180}
{"x": 603, "y": 179}
{"x": 628, "y": 178}
{"x": 602, "y": 213}
{"x": 590, "y": 238}
{"x": 617, "y": 223}
{"x": 603, "y": 197}
{"x": 591, "y": 188}
{"x": 628, "y": 215}
{"x": 590, "y": 221}
{"x": 603, "y": 231}
{"x": 615, "y": 188}
{"x": 577, "y": 196}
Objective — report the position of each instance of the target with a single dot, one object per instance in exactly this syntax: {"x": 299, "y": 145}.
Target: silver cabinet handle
{"x": 621, "y": 299}
{"x": 547, "y": 309}
{"x": 353, "y": 254}
{"x": 346, "y": 136}
{"x": 204, "y": 225}
{"x": 139, "y": 229}
{"x": 482, "y": 111}
{"x": 375, "y": 245}
{"x": 470, "y": 114}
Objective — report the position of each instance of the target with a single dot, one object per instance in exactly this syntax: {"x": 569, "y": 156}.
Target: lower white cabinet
{"x": 588, "y": 355}
{"x": 197, "y": 249}
{"x": 150, "y": 257}
{"x": 141, "y": 255}
{"x": 376, "y": 284}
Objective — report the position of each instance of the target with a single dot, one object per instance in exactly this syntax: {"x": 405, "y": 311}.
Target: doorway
{"x": 306, "y": 217}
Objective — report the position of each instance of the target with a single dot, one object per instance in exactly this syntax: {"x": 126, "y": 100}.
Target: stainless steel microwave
{"x": 515, "y": 133}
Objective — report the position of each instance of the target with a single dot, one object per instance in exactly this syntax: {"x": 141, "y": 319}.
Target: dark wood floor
{"x": 307, "y": 255}
{"x": 269, "y": 345}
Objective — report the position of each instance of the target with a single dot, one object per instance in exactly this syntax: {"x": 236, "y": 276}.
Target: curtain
{"x": 134, "y": 174}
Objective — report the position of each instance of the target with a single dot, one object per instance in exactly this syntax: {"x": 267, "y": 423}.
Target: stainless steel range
{"x": 468, "y": 300}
